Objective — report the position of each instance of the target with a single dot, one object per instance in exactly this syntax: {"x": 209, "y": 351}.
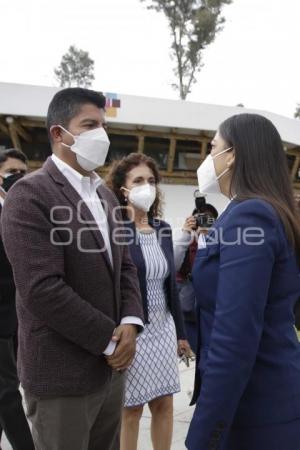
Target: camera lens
{"x": 204, "y": 220}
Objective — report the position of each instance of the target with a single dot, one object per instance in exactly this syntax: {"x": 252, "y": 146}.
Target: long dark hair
{"x": 260, "y": 168}
{"x": 116, "y": 179}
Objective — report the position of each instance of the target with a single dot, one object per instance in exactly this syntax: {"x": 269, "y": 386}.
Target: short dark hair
{"x": 207, "y": 208}
{"x": 12, "y": 153}
{"x": 66, "y": 104}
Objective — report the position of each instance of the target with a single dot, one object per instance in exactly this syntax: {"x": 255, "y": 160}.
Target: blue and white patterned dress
{"x": 154, "y": 371}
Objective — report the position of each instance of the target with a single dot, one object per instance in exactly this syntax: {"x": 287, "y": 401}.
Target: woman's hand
{"x": 185, "y": 352}
{"x": 190, "y": 224}
{"x": 184, "y": 348}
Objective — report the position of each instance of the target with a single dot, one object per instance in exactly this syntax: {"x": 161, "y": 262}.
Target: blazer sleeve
{"x": 130, "y": 290}
{"x": 131, "y": 300}
{"x": 244, "y": 279}
{"x": 38, "y": 268}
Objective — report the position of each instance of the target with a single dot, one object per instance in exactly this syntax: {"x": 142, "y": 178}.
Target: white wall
{"x": 179, "y": 203}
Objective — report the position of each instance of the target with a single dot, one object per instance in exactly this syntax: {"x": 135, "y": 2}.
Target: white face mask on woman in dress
{"x": 91, "y": 147}
{"x": 142, "y": 197}
{"x": 208, "y": 180}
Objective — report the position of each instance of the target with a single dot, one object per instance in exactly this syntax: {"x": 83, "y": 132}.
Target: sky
{"x": 254, "y": 60}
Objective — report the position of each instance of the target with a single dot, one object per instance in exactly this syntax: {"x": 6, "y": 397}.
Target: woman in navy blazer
{"x": 153, "y": 377}
{"x": 246, "y": 278}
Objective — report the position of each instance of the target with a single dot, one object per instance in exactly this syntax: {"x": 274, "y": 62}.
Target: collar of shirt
{"x": 86, "y": 187}
{"x": 83, "y": 185}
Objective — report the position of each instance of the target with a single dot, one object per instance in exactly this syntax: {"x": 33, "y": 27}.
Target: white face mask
{"x": 142, "y": 197}
{"x": 91, "y": 148}
{"x": 208, "y": 180}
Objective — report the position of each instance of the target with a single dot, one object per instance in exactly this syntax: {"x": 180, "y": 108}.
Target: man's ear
{"x": 56, "y": 133}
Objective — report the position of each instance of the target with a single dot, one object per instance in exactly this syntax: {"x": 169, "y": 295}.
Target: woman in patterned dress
{"x": 153, "y": 377}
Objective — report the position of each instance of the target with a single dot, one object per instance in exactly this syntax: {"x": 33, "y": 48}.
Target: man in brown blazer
{"x": 78, "y": 302}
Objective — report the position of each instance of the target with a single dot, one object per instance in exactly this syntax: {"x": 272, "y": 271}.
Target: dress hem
{"x": 152, "y": 398}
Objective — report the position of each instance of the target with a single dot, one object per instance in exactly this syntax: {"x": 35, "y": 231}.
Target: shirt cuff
{"x": 110, "y": 348}
{"x": 132, "y": 320}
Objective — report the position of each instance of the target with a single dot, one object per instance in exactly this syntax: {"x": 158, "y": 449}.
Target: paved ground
{"x": 182, "y": 415}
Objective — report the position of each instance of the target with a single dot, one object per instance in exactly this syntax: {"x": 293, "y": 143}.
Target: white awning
{"x": 33, "y": 101}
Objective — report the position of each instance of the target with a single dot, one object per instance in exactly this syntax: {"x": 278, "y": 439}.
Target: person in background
{"x": 78, "y": 299}
{"x": 246, "y": 281}
{"x": 153, "y": 376}
{"x": 185, "y": 247}
{"x": 297, "y": 306}
{"x": 13, "y": 166}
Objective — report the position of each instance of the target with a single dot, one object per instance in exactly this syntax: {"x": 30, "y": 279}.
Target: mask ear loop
{"x": 223, "y": 173}
{"x": 221, "y": 153}
{"x": 66, "y": 131}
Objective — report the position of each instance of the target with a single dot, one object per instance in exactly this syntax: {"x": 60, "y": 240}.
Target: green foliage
{"x": 194, "y": 25}
{"x": 76, "y": 69}
{"x": 297, "y": 112}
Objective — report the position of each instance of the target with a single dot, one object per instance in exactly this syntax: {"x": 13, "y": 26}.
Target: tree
{"x": 297, "y": 112}
{"x": 194, "y": 25}
{"x": 76, "y": 69}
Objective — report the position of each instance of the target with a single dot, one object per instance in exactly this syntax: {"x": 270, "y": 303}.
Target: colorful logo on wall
{"x": 113, "y": 103}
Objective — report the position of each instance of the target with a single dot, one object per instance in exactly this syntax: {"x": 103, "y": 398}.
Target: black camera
{"x": 204, "y": 220}
{"x": 204, "y": 213}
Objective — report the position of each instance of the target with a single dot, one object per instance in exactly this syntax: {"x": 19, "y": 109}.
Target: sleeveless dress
{"x": 154, "y": 371}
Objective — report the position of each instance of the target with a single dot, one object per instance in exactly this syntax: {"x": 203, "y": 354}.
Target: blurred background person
{"x": 153, "y": 377}
{"x": 185, "y": 247}
{"x": 13, "y": 166}
{"x": 297, "y": 306}
{"x": 246, "y": 281}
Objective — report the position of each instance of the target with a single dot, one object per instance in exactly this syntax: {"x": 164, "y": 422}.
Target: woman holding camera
{"x": 247, "y": 281}
{"x": 297, "y": 306}
{"x": 185, "y": 247}
{"x": 153, "y": 377}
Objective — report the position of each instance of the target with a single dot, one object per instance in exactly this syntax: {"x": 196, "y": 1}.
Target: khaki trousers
{"x": 90, "y": 422}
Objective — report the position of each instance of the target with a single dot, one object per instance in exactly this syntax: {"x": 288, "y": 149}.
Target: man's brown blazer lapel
{"x": 82, "y": 211}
